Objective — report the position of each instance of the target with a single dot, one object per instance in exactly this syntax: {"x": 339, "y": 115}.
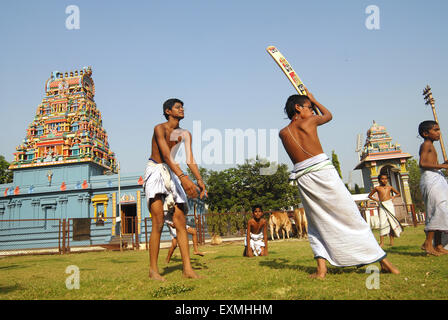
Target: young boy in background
{"x": 389, "y": 225}
{"x": 256, "y": 241}
{"x": 434, "y": 188}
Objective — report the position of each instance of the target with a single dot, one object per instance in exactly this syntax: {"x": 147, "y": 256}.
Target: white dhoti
{"x": 159, "y": 179}
{"x": 256, "y": 242}
{"x": 173, "y": 232}
{"x": 388, "y": 221}
{"x": 434, "y": 188}
{"x": 336, "y": 230}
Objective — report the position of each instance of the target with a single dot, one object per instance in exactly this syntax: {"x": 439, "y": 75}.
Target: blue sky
{"x": 211, "y": 54}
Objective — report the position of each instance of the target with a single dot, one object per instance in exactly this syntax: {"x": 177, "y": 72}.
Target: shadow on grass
{"x": 402, "y": 250}
{"x": 226, "y": 257}
{"x": 121, "y": 261}
{"x": 12, "y": 266}
{"x": 196, "y": 265}
{"x": 285, "y": 264}
{"x": 172, "y": 268}
{"x": 9, "y": 289}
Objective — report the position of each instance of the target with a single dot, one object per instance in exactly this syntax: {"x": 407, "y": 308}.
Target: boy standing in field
{"x": 434, "y": 188}
{"x": 389, "y": 225}
{"x": 337, "y": 232}
{"x": 256, "y": 241}
{"x": 166, "y": 187}
{"x": 173, "y": 233}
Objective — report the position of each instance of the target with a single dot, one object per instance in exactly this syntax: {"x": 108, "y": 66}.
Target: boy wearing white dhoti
{"x": 166, "y": 187}
{"x": 434, "y": 188}
{"x": 256, "y": 235}
{"x": 389, "y": 224}
{"x": 256, "y": 243}
{"x": 336, "y": 230}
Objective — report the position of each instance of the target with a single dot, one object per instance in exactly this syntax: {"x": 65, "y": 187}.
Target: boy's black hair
{"x": 168, "y": 105}
{"x": 290, "y": 106}
{"x": 425, "y": 126}
{"x": 256, "y": 206}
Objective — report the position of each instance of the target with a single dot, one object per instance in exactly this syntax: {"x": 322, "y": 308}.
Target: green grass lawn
{"x": 283, "y": 275}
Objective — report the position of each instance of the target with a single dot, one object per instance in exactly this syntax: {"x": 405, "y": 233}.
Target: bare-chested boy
{"x": 166, "y": 186}
{"x": 257, "y": 234}
{"x": 434, "y": 188}
{"x": 389, "y": 225}
{"x": 336, "y": 230}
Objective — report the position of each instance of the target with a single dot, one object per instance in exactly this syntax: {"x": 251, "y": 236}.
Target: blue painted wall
{"x": 39, "y": 199}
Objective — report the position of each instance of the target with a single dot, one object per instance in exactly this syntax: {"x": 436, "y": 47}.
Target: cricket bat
{"x": 288, "y": 71}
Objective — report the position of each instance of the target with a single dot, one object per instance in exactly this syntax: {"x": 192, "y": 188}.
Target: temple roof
{"x": 379, "y": 146}
{"x": 67, "y": 116}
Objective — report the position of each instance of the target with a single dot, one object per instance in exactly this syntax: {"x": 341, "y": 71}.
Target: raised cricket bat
{"x": 288, "y": 71}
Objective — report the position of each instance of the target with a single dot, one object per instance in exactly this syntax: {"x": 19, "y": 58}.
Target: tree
{"x": 233, "y": 192}
{"x": 5, "y": 173}
{"x": 202, "y": 171}
{"x": 238, "y": 189}
{"x": 414, "y": 184}
{"x": 358, "y": 190}
{"x": 336, "y": 164}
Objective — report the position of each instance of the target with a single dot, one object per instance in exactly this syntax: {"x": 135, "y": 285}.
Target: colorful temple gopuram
{"x": 67, "y": 127}
{"x": 380, "y": 155}
{"x": 64, "y": 169}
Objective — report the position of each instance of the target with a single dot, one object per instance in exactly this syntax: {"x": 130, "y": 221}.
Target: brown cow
{"x": 301, "y": 222}
{"x": 279, "y": 220}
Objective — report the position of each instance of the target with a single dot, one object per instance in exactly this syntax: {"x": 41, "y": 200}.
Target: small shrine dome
{"x": 375, "y": 128}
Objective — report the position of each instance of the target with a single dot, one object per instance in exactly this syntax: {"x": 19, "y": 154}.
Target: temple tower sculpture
{"x": 67, "y": 127}
{"x": 380, "y": 155}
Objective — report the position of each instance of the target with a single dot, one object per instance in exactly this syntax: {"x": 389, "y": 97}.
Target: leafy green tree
{"x": 336, "y": 164}
{"x": 358, "y": 189}
{"x": 414, "y": 184}
{"x": 233, "y": 192}
{"x": 202, "y": 171}
{"x": 238, "y": 189}
{"x": 5, "y": 174}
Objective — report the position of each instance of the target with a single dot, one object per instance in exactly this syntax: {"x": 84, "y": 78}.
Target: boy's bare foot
{"x": 191, "y": 275}
{"x": 387, "y": 267}
{"x": 156, "y": 276}
{"x": 441, "y": 249}
{"x": 321, "y": 270}
{"x": 198, "y": 253}
{"x": 318, "y": 275}
{"x": 381, "y": 244}
{"x": 429, "y": 249}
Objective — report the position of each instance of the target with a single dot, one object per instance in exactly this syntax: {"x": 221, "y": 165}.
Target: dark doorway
{"x": 128, "y": 216}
